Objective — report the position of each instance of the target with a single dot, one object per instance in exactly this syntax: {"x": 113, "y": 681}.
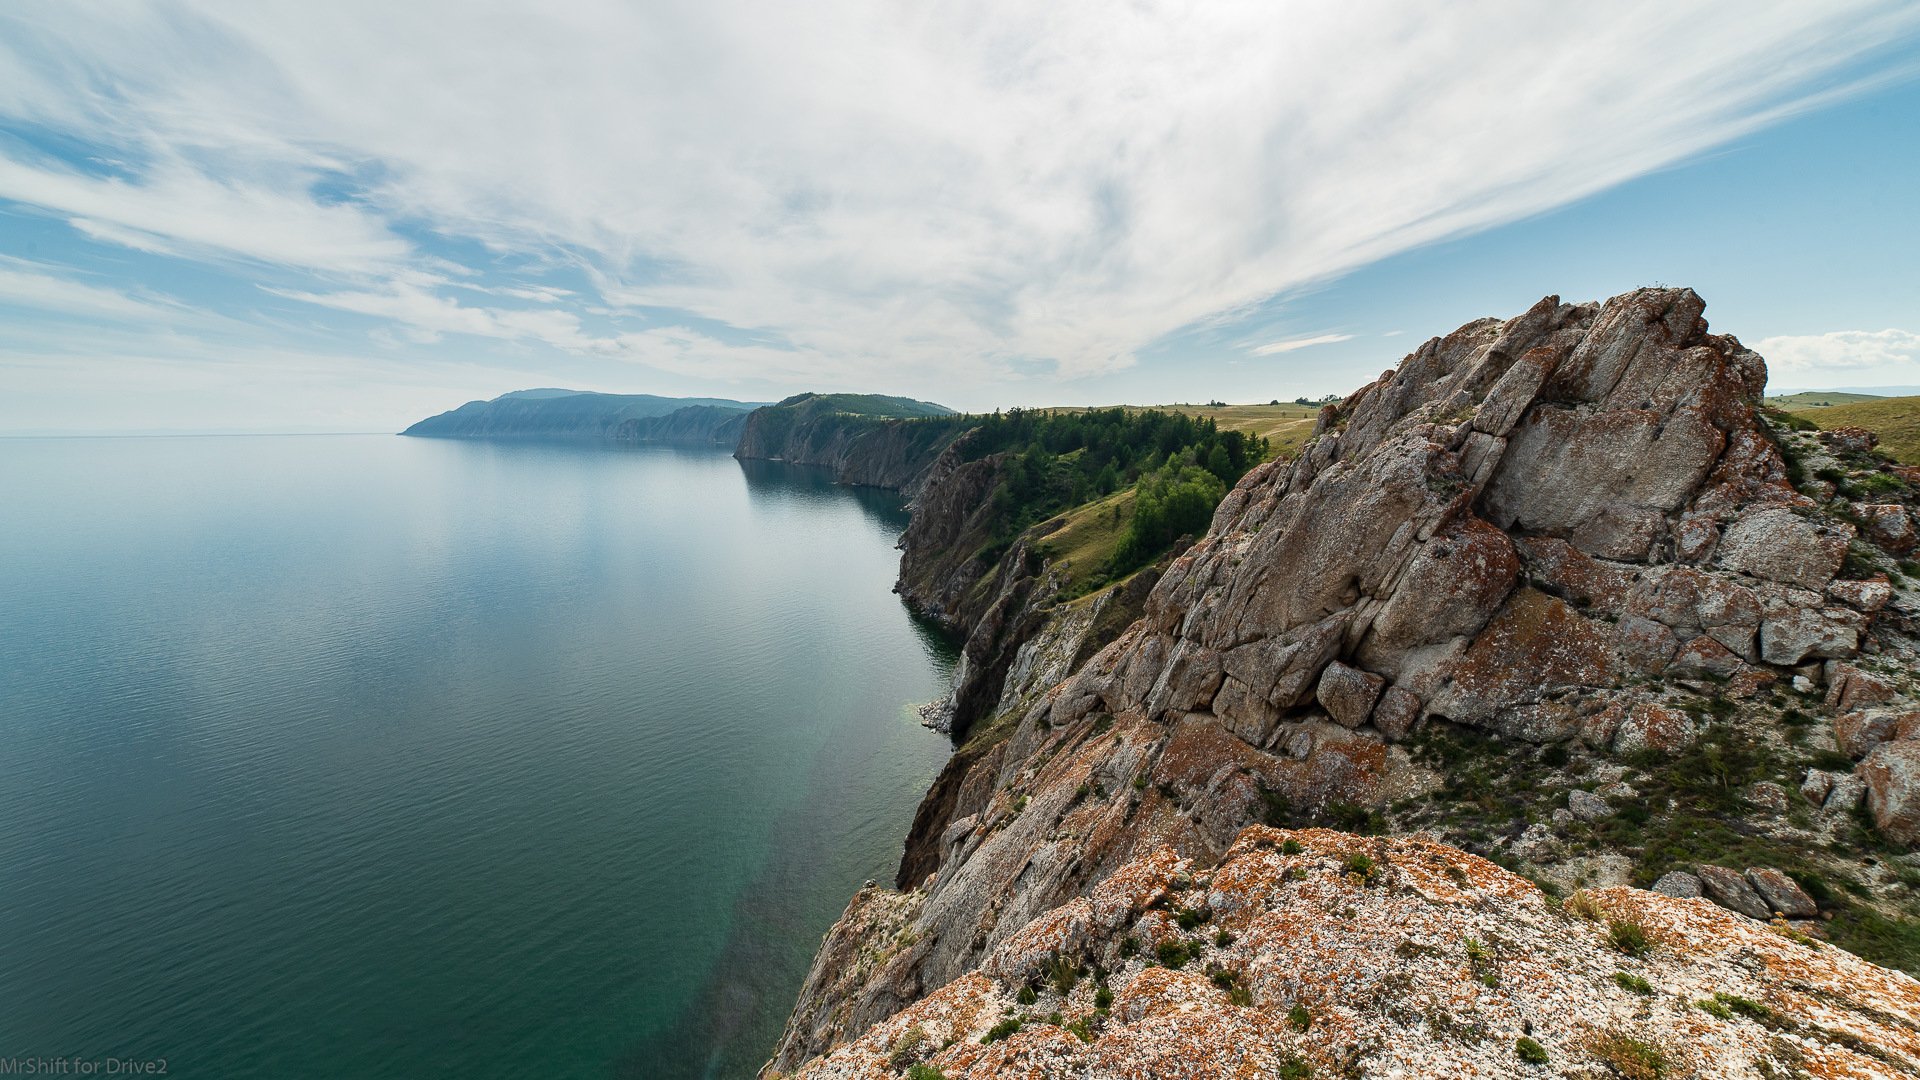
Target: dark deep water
{"x": 362, "y": 756}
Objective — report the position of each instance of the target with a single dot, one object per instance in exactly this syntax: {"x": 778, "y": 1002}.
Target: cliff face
{"x": 1571, "y": 528}
{"x": 704, "y": 425}
{"x": 865, "y": 450}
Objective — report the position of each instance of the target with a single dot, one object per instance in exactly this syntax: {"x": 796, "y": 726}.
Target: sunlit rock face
{"x": 1525, "y": 528}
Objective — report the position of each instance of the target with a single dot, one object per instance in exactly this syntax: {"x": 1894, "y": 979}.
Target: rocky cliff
{"x": 581, "y": 414}
{"x": 1547, "y": 567}
{"x": 864, "y": 440}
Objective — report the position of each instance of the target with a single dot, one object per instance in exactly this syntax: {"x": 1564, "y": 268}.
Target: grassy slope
{"x": 1895, "y": 420}
{"x": 1816, "y": 399}
{"x": 1085, "y": 544}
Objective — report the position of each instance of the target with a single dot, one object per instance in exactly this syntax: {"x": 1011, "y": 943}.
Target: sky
{"x": 344, "y": 216}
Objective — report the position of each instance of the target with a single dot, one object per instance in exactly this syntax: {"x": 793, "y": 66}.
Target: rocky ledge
{"x": 1554, "y": 590}
{"x": 1317, "y": 953}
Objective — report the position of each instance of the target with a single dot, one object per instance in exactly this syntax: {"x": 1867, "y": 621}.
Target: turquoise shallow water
{"x": 362, "y": 756}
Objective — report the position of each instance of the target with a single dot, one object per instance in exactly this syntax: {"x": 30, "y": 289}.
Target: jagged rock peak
{"x": 1502, "y": 531}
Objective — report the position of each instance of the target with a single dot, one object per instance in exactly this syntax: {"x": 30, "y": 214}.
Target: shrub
{"x": 1001, "y": 1030}
{"x": 1062, "y": 973}
{"x": 1631, "y": 1057}
{"x": 1188, "y": 918}
{"x": 1715, "y": 1009}
{"x": 1748, "y": 1008}
{"x": 1291, "y": 847}
{"x": 1174, "y": 954}
{"x": 909, "y": 1048}
{"x": 925, "y": 1072}
{"x": 1361, "y": 865}
{"x": 1634, "y": 983}
{"x": 1082, "y": 1028}
{"x": 1529, "y": 1051}
{"x": 1223, "y": 939}
{"x": 1628, "y": 937}
{"x": 1027, "y": 995}
{"x": 1299, "y": 1017}
{"x": 1294, "y": 1067}
{"x": 1102, "y": 999}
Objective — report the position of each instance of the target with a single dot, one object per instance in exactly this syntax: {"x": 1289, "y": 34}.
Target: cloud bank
{"x": 1842, "y": 356}
{"x": 858, "y": 192}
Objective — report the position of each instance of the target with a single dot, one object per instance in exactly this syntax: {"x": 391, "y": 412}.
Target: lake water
{"x": 362, "y": 756}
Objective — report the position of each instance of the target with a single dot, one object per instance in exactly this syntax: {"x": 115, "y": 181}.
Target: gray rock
{"x": 1795, "y": 635}
{"x": 1731, "y": 891}
{"x": 1816, "y": 787}
{"x": 1587, "y": 806}
{"x": 1776, "y": 544}
{"x": 1678, "y": 883}
{"x": 1846, "y": 794}
{"x": 1396, "y": 713}
{"x": 1781, "y": 893}
{"x": 1348, "y": 693}
{"x": 1892, "y": 777}
{"x": 1768, "y": 796}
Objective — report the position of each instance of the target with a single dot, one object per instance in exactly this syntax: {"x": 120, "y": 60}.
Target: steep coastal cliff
{"x": 581, "y": 414}
{"x": 1553, "y": 591}
{"x": 865, "y": 440}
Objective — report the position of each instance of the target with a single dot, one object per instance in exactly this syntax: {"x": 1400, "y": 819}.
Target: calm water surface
{"x": 361, "y": 756}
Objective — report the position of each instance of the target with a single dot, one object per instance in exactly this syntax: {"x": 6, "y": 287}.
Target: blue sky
{"x": 342, "y": 217}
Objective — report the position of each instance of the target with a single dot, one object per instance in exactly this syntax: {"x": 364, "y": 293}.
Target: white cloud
{"x": 1854, "y": 356}
{"x": 1275, "y": 348}
{"x": 28, "y": 285}
{"x": 927, "y": 194}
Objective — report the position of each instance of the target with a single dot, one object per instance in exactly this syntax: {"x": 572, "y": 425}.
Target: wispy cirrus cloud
{"x": 877, "y": 191}
{"x": 1276, "y": 348}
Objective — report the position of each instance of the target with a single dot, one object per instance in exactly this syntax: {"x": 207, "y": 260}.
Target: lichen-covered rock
{"x": 1348, "y": 694}
{"x": 1892, "y": 776}
{"x": 1781, "y": 893}
{"x": 1429, "y": 962}
{"x": 1730, "y": 890}
{"x": 1568, "y": 526}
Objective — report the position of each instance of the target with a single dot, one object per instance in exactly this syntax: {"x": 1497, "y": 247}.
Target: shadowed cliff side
{"x": 866, "y": 440}
{"x": 1561, "y": 555}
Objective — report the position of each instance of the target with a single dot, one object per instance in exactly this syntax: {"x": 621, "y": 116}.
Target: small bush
{"x": 1628, "y": 937}
{"x": 1062, "y": 973}
{"x": 1361, "y": 865}
{"x": 1174, "y": 954}
{"x": 912, "y": 1045}
{"x": 1294, "y": 1067}
{"x": 1631, "y": 1057}
{"x": 1223, "y": 939}
{"x": 1129, "y": 945}
{"x": 1102, "y": 999}
{"x": 1291, "y": 847}
{"x": 1027, "y": 995}
{"x": 1582, "y": 905}
{"x": 1082, "y": 1029}
{"x": 1748, "y": 1008}
{"x": 1299, "y": 1017}
{"x": 1634, "y": 983}
{"x": 1188, "y": 918}
{"x": 1529, "y": 1051}
{"x": 1001, "y": 1030}
{"x": 925, "y": 1072}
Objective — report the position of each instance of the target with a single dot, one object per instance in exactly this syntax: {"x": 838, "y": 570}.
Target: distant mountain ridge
{"x": 557, "y": 413}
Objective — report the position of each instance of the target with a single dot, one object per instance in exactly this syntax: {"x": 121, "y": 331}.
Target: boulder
{"x": 1869, "y": 595}
{"x": 1848, "y": 687}
{"x": 1705, "y": 656}
{"x": 1817, "y": 785}
{"x": 1892, "y": 776}
{"x": 1587, "y": 806}
{"x": 1396, "y": 713}
{"x": 1848, "y": 789}
{"x": 1731, "y": 891}
{"x": 1776, "y": 544}
{"x": 1796, "y": 634}
{"x": 1781, "y": 893}
{"x": 1348, "y": 693}
{"x": 1678, "y": 884}
{"x": 1849, "y": 440}
{"x": 1887, "y": 525}
{"x": 1857, "y": 733}
{"x": 1768, "y": 796}
{"x": 1653, "y": 727}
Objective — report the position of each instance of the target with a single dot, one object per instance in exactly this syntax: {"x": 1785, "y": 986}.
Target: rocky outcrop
{"x": 1316, "y": 953}
{"x": 860, "y": 448}
{"x": 1543, "y": 530}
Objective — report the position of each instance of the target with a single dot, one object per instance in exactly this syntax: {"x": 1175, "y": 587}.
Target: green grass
{"x": 1895, "y": 420}
{"x": 1084, "y": 546}
{"x": 1529, "y": 1051}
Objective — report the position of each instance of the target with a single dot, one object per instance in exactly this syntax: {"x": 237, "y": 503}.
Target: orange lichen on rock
{"x": 1407, "y": 957}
